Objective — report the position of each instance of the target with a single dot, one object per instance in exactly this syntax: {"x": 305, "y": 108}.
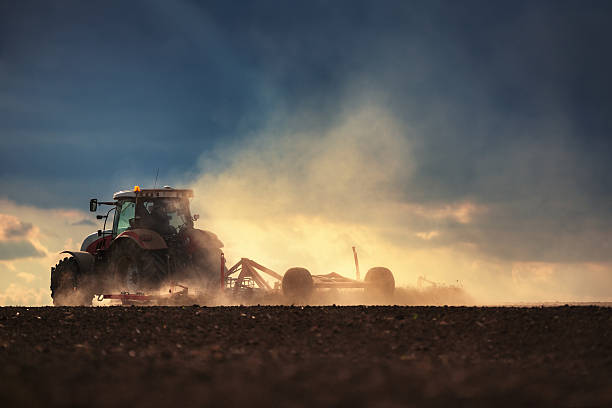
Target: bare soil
{"x": 306, "y": 356}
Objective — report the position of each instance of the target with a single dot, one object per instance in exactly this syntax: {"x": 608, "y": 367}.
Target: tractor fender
{"x": 145, "y": 238}
{"x": 204, "y": 239}
{"x": 84, "y": 259}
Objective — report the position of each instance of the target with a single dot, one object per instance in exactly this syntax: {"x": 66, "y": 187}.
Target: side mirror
{"x": 196, "y": 217}
{"x": 93, "y": 204}
{"x": 99, "y": 233}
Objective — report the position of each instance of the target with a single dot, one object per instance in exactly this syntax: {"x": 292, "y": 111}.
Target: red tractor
{"x": 152, "y": 242}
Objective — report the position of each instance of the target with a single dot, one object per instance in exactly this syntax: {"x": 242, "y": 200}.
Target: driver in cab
{"x": 156, "y": 218}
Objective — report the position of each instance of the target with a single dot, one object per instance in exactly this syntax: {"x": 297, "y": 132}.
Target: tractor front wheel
{"x": 65, "y": 289}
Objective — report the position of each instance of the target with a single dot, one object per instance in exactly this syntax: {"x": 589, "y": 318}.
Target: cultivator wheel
{"x": 65, "y": 289}
{"x": 382, "y": 283}
{"x": 297, "y": 284}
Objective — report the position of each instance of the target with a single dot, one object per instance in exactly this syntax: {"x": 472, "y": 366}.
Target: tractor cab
{"x": 165, "y": 211}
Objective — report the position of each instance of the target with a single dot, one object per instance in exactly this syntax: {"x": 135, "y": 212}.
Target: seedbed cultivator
{"x": 246, "y": 283}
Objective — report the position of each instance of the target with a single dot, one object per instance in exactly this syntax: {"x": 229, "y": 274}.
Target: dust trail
{"x": 293, "y": 197}
{"x": 296, "y": 198}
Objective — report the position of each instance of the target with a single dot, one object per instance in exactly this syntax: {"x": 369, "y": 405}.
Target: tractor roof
{"x": 166, "y": 191}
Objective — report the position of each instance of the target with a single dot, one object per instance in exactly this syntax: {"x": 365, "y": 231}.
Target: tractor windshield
{"x": 123, "y": 217}
{"x": 165, "y": 215}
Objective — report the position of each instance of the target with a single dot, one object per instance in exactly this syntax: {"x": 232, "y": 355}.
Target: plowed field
{"x": 310, "y": 356}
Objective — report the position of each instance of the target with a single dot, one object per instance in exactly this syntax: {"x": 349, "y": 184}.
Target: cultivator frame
{"x": 173, "y": 296}
{"x": 248, "y": 272}
{"x": 249, "y": 280}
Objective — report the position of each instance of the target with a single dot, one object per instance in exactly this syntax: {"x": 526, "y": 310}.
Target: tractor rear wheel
{"x": 297, "y": 284}
{"x": 135, "y": 269}
{"x": 65, "y": 290}
{"x": 382, "y": 283}
{"x": 206, "y": 265}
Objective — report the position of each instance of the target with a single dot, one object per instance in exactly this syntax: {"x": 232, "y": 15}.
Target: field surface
{"x": 311, "y": 356}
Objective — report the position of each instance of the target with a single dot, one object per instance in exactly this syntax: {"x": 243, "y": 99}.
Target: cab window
{"x": 123, "y": 215}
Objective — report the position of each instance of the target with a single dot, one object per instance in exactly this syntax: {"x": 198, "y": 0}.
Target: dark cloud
{"x": 507, "y": 106}
{"x": 11, "y": 250}
{"x": 531, "y": 234}
{"x": 18, "y": 231}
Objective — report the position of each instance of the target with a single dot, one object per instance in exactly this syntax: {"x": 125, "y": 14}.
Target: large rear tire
{"x": 135, "y": 269}
{"x": 382, "y": 283}
{"x": 297, "y": 285}
{"x": 65, "y": 288}
{"x": 203, "y": 270}
{"x": 206, "y": 265}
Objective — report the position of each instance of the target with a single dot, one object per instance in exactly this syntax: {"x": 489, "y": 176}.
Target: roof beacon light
{"x": 136, "y": 188}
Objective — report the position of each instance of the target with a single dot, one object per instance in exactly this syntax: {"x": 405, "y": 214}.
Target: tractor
{"x": 152, "y": 242}
{"x": 153, "y": 245}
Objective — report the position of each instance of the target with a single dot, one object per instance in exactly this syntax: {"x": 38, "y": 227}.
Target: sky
{"x": 462, "y": 141}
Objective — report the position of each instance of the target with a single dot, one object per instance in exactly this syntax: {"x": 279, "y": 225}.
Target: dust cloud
{"x": 303, "y": 199}
{"x": 293, "y": 197}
